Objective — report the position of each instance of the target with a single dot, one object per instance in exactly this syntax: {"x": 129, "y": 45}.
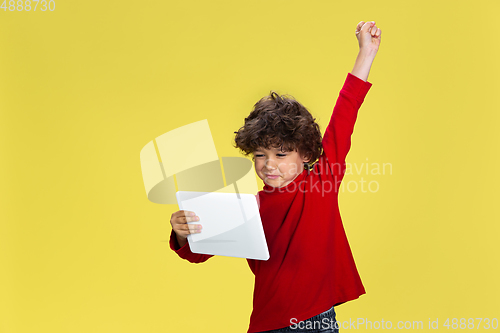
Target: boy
{"x": 311, "y": 268}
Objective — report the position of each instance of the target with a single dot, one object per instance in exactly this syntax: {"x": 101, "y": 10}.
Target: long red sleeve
{"x": 337, "y": 137}
{"x": 185, "y": 252}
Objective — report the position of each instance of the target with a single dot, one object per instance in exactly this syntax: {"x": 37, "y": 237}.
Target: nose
{"x": 270, "y": 164}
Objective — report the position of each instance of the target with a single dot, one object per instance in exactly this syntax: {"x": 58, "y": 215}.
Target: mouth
{"x": 272, "y": 176}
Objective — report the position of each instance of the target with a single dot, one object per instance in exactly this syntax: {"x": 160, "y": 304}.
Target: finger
{"x": 180, "y": 217}
{"x": 182, "y": 213}
{"x": 190, "y": 218}
{"x": 359, "y": 26}
{"x": 186, "y": 229}
{"x": 192, "y": 228}
{"x": 367, "y": 26}
{"x": 186, "y": 219}
{"x": 378, "y": 33}
{"x": 188, "y": 213}
{"x": 373, "y": 30}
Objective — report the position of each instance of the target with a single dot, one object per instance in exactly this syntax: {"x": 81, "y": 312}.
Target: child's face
{"x": 277, "y": 168}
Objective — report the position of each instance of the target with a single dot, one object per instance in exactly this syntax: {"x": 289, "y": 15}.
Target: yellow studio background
{"x": 84, "y": 87}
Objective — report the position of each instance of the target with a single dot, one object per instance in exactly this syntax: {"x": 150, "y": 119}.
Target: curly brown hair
{"x": 280, "y": 122}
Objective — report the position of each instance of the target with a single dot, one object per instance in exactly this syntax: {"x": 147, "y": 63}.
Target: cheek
{"x": 292, "y": 168}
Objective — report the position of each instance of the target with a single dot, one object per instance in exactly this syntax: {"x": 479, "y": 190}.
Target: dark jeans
{"x": 324, "y": 322}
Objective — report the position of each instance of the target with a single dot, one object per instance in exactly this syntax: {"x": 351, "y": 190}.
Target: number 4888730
{"x": 28, "y": 5}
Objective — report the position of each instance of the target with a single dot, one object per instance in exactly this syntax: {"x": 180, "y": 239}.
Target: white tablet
{"x": 231, "y": 224}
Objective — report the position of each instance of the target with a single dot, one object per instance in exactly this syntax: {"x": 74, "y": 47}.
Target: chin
{"x": 277, "y": 184}
{"x": 270, "y": 183}
{"x": 273, "y": 183}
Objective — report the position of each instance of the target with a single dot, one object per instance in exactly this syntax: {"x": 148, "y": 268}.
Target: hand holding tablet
{"x": 231, "y": 224}
{"x": 180, "y": 226}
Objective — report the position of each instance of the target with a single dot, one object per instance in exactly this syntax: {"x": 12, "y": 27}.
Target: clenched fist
{"x": 368, "y": 35}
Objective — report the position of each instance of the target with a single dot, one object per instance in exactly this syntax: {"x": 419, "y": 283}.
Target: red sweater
{"x": 311, "y": 267}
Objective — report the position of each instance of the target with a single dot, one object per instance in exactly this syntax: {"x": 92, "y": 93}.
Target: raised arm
{"x": 337, "y": 137}
{"x": 368, "y": 35}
